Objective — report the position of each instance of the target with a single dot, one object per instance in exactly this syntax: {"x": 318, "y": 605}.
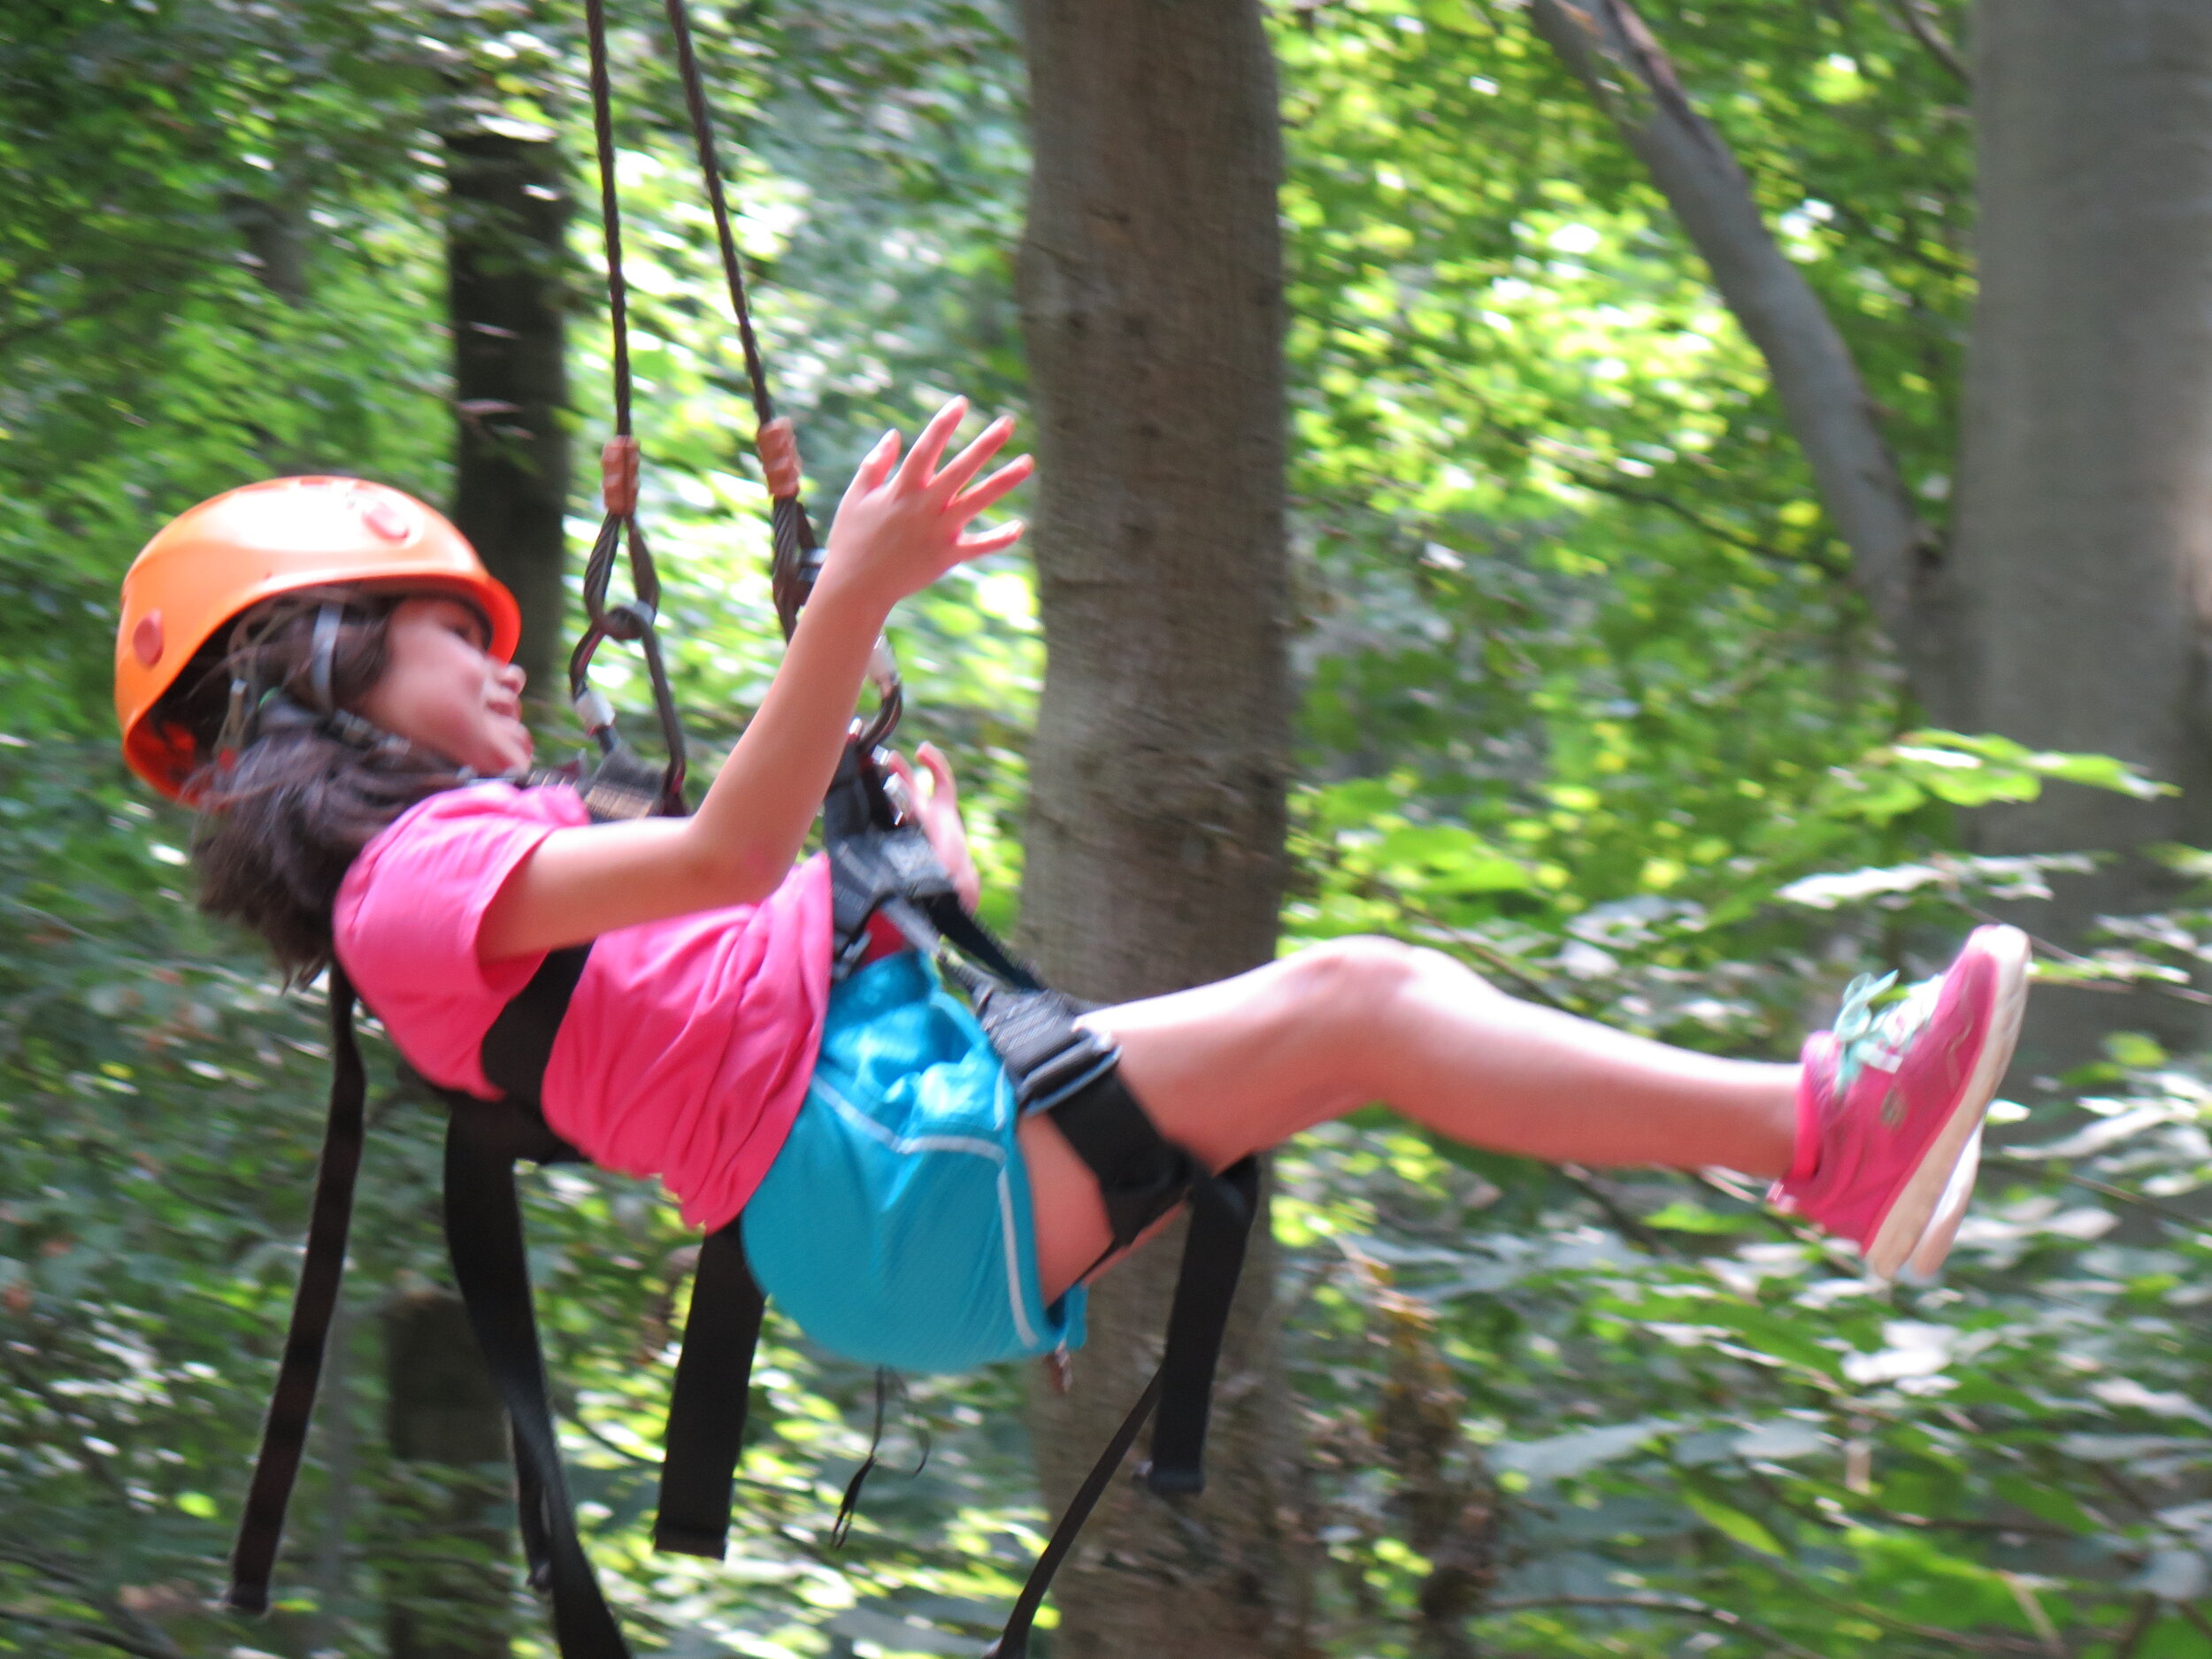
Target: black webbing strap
{"x": 977, "y": 943}
{"x": 483, "y": 1221}
{"x": 1222, "y": 1208}
{"x": 483, "y": 1230}
{"x": 517, "y": 1049}
{"x": 1060, "y": 1067}
{"x": 706, "y": 1411}
{"x": 1013, "y": 1641}
{"x": 292, "y": 1402}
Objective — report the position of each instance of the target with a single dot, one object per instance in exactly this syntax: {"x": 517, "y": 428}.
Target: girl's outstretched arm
{"x": 899, "y": 528}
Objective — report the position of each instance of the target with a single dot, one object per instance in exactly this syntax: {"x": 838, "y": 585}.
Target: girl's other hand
{"x": 937, "y": 810}
{"x": 902, "y": 526}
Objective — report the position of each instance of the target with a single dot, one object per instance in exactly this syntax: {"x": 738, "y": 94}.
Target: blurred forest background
{"x": 1674, "y": 595}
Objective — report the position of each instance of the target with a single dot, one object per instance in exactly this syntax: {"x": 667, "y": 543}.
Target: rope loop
{"x": 630, "y": 621}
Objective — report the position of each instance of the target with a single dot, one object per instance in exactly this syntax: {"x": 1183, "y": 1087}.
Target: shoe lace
{"x": 1867, "y": 1035}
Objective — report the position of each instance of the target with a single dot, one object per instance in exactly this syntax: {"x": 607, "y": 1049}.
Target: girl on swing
{"x": 320, "y": 666}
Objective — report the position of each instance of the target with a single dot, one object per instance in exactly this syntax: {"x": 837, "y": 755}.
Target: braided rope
{"x": 798, "y": 558}
{"x": 631, "y": 620}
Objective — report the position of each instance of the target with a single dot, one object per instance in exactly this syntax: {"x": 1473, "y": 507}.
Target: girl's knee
{"x": 1363, "y": 976}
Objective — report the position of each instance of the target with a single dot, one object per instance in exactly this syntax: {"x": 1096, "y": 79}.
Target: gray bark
{"x": 1151, "y": 290}
{"x": 2077, "y": 597}
{"x": 507, "y": 204}
{"x": 445, "y": 1560}
{"x": 274, "y": 231}
{"x": 1612, "y": 52}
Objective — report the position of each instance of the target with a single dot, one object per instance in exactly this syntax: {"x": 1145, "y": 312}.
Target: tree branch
{"x": 1645, "y": 496}
{"x": 2089, "y": 1183}
{"x": 1687, "y": 1606}
{"x": 1919, "y": 20}
{"x": 2138, "y": 1627}
{"x": 155, "y": 1647}
{"x": 1841, "y": 1522}
{"x": 2033, "y": 1610}
{"x": 1994, "y": 1642}
{"x": 1627, "y": 1224}
{"x": 37, "y": 1386}
{"x": 1609, "y": 49}
{"x": 83, "y": 1588}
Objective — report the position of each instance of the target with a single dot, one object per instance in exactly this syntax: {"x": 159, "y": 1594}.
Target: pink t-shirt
{"x": 688, "y": 1044}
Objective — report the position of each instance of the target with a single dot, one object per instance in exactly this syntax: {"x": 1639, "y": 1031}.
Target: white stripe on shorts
{"x": 975, "y": 1148}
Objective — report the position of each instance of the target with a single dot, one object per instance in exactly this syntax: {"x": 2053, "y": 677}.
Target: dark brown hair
{"x": 283, "y": 815}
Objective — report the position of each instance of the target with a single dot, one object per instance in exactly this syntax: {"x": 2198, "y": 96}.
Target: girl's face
{"x": 441, "y": 689}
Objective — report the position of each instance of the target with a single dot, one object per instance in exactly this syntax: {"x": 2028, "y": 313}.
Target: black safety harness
{"x": 878, "y": 865}
{"x": 881, "y": 867}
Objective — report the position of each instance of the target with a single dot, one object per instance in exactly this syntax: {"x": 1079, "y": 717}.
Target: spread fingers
{"x": 921, "y": 461}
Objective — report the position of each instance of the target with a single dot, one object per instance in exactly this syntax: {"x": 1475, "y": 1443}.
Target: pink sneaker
{"x": 1890, "y": 1104}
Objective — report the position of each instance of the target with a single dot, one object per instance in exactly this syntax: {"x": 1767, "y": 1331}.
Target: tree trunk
{"x": 448, "y": 1518}
{"x": 2078, "y": 595}
{"x": 507, "y": 205}
{"x": 274, "y": 228}
{"x": 446, "y": 1576}
{"x": 1151, "y": 290}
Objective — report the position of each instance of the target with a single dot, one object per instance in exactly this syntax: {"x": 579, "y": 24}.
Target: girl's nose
{"x": 512, "y": 676}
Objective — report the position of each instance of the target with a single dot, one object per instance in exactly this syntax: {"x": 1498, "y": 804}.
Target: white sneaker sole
{"x": 1925, "y": 1263}
{"x": 1905, "y": 1231}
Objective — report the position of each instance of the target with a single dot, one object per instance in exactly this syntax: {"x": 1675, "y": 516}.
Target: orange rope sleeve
{"x": 779, "y": 447}
{"x": 617, "y": 476}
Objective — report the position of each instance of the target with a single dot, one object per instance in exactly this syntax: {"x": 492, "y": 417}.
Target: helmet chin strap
{"x": 321, "y": 652}
{"x": 342, "y": 724}
{"x": 276, "y": 710}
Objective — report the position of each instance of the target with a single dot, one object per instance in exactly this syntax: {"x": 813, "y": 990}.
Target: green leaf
{"x": 1565, "y": 1455}
{"x": 1682, "y": 1216}
{"x": 1732, "y": 1522}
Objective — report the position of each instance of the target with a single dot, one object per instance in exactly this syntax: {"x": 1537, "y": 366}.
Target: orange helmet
{"x": 226, "y": 556}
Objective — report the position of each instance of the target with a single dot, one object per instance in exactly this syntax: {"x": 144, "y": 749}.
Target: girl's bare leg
{"x": 1236, "y": 1066}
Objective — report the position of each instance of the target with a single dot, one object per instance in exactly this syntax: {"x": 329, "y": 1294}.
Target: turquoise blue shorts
{"x": 895, "y": 1225}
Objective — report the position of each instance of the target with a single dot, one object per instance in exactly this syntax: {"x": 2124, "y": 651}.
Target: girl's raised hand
{"x": 901, "y": 526}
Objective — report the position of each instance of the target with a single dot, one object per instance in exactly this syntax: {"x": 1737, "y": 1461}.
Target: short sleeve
{"x": 408, "y": 911}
